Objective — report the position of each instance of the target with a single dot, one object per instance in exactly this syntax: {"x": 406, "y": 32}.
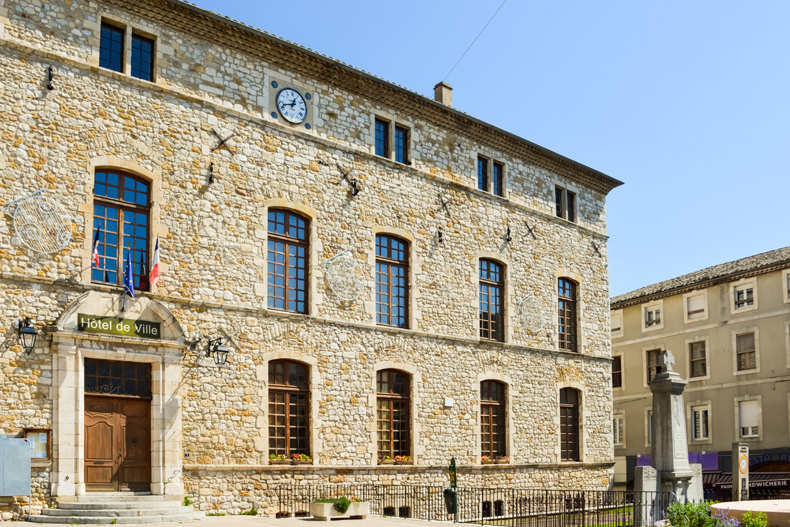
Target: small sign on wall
{"x": 118, "y": 326}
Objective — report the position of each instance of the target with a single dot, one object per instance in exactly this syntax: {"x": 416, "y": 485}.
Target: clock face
{"x": 291, "y": 105}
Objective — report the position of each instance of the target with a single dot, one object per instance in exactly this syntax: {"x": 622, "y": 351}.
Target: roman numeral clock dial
{"x": 291, "y": 105}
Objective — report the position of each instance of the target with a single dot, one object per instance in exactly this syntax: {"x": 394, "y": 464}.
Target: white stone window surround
{"x": 689, "y": 341}
{"x": 392, "y": 121}
{"x": 699, "y": 406}
{"x": 511, "y": 394}
{"x": 617, "y": 323}
{"x": 415, "y": 436}
{"x": 414, "y": 263}
{"x": 618, "y": 430}
{"x": 655, "y": 312}
{"x": 742, "y": 331}
{"x": 491, "y": 159}
{"x": 140, "y": 29}
{"x": 314, "y": 383}
{"x": 786, "y": 286}
{"x": 583, "y": 436}
{"x": 565, "y": 187}
{"x": 646, "y": 361}
{"x": 695, "y": 306}
{"x": 759, "y": 417}
{"x": 576, "y": 277}
{"x": 741, "y": 287}
{"x": 314, "y": 293}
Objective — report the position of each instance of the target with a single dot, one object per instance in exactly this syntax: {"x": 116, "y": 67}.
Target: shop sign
{"x": 119, "y": 326}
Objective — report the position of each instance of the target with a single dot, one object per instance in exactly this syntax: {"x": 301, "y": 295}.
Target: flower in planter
{"x": 403, "y": 460}
{"x": 386, "y": 460}
{"x": 300, "y": 458}
{"x": 502, "y": 459}
{"x": 277, "y": 456}
{"x": 486, "y": 459}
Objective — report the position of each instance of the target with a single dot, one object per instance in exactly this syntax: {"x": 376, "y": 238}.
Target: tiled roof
{"x": 752, "y": 265}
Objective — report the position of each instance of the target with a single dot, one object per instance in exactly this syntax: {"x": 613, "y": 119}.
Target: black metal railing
{"x": 489, "y": 506}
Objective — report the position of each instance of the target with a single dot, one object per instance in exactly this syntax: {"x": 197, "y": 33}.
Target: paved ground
{"x": 264, "y": 521}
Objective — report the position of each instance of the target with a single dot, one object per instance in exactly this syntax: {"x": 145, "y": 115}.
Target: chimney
{"x": 443, "y": 93}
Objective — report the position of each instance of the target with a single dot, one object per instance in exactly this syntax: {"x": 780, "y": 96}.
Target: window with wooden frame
{"x": 111, "y": 47}
{"x": 617, "y": 371}
{"x": 121, "y": 217}
{"x": 746, "y": 351}
{"x": 392, "y": 414}
{"x": 569, "y": 424}
{"x": 618, "y": 430}
{"x": 491, "y": 294}
{"x": 490, "y": 176}
{"x": 289, "y": 397}
{"x": 699, "y": 422}
{"x": 128, "y": 379}
{"x": 567, "y": 314}
{"x": 392, "y": 281}
{"x": 287, "y": 261}
{"x": 492, "y": 419}
{"x": 749, "y": 419}
{"x": 142, "y": 57}
{"x": 743, "y": 296}
{"x": 565, "y": 204}
{"x": 698, "y": 366}
{"x": 382, "y": 140}
{"x": 653, "y": 359}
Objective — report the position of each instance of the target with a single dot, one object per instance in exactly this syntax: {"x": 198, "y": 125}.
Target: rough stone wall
{"x": 213, "y": 242}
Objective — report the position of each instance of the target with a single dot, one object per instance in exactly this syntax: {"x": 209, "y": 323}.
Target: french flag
{"x": 96, "y": 248}
{"x": 155, "y": 265}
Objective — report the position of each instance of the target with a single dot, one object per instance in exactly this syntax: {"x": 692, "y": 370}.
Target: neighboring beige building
{"x": 390, "y": 277}
{"x": 728, "y": 327}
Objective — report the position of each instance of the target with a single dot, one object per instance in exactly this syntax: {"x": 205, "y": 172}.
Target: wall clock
{"x": 291, "y": 105}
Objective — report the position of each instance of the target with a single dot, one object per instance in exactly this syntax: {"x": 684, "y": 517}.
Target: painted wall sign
{"x": 119, "y": 326}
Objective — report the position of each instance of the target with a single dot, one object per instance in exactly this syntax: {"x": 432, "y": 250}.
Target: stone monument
{"x": 670, "y": 471}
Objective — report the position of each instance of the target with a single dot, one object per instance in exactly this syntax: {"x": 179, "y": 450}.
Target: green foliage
{"x": 215, "y": 514}
{"x": 754, "y": 519}
{"x": 252, "y": 512}
{"x": 187, "y": 501}
{"x": 341, "y": 504}
{"x": 691, "y": 515}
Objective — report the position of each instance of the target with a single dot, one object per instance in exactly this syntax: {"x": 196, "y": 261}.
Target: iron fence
{"x": 489, "y": 506}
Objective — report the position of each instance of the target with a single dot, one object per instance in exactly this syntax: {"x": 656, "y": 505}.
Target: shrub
{"x": 691, "y": 515}
{"x": 341, "y": 504}
{"x": 252, "y": 512}
{"x": 754, "y": 519}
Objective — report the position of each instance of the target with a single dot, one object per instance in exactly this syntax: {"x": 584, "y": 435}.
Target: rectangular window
{"x": 142, "y": 57}
{"x": 565, "y": 202}
{"x": 566, "y": 316}
{"x": 569, "y": 424}
{"x": 699, "y": 422}
{"x": 617, "y": 323}
{"x": 653, "y": 364}
{"x": 618, "y": 430}
{"x": 697, "y": 360}
{"x": 382, "y": 138}
{"x": 652, "y": 317}
{"x": 744, "y": 297}
{"x": 749, "y": 418}
{"x": 695, "y": 307}
{"x": 650, "y": 427}
{"x": 498, "y": 180}
{"x": 482, "y": 173}
{"x": 490, "y": 299}
{"x": 401, "y": 145}
{"x": 111, "y": 47}
{"x": 39, "y": 443}
{"x": 746, "y": 353}
{"x": 617, "y": 372}
{"x": 392, "y": 265}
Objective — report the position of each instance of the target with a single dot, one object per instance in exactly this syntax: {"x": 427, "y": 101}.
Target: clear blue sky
{"x": 685, "y": 102}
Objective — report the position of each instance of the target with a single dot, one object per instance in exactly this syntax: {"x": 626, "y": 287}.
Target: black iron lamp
{"x": 27, "y": 334}
{"x": 219, "y": 350}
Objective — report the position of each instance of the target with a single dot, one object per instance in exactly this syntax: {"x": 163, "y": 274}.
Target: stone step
{"x": 95, "y": 509}
{"x": 95, "y": 505}
{"x": 116, "y": 520}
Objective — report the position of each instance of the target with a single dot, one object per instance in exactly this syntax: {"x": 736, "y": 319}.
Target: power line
{"x": 475, "y": 40}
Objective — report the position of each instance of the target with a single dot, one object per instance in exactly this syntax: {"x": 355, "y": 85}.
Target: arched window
{"x": 491, "y": 294}
{"x": 569, "y": 424}
{"x": 392, "y": 413}
{"x": 287, "y": 259}
{"x": 567, "y": 314}
{"x": 121, "y": 211}
{"x": 392, "y": 277}
{"x": 288, "y": 408}
{"x": 492, "y": 419}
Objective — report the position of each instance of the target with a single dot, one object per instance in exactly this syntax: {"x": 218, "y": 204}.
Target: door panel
{"x": 117, "y": 443}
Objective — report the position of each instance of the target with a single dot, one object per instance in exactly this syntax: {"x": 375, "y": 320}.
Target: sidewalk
{"x": 265, "y": 521}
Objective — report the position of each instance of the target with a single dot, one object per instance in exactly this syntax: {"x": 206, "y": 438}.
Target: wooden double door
{"x": 117, "y": 443}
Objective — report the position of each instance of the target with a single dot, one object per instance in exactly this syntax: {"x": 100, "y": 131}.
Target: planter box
{"x": 279, "y": 461}
{"x": 327, "y": 511}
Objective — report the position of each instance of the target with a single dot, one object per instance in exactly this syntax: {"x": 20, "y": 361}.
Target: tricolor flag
{"x": 155, "y": 265}
{"x": 128, "y": 278}
{"x": 96, "y": 248}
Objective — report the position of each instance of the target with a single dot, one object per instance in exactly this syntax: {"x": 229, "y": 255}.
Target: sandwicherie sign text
{"x": 119, "y": 326}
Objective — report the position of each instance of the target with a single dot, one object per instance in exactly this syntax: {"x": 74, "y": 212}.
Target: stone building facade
{"x": 375, "y": 262}
{"x": 728, "y": 327}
